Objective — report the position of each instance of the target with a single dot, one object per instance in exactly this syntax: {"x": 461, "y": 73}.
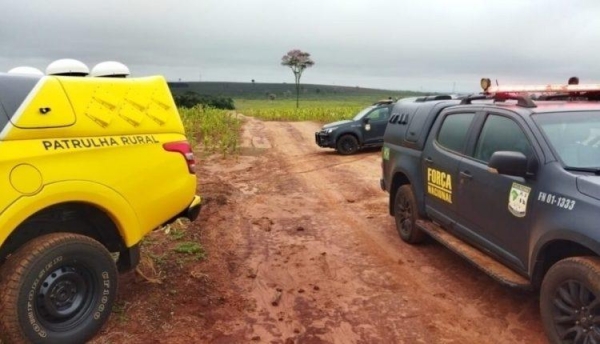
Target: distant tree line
{"x": 191, "y": 99}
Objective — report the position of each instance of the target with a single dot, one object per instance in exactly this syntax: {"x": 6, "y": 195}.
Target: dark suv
{"x": 365, "y": 129}
{"x": 513, "y": 187}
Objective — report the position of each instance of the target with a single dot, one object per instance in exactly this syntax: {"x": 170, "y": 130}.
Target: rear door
{"x": 374, "y": 129}
{"x": 441, "y": 158}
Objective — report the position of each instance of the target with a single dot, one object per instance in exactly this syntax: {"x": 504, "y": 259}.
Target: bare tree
{"x": 298, "y": 61}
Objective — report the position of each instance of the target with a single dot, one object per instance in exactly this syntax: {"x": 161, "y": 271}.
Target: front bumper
{"x": 324, "y": 140}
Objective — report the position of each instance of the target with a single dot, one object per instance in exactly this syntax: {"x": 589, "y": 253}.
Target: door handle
{"x": 466, "y": 175}
{"x": 428, "y": 160}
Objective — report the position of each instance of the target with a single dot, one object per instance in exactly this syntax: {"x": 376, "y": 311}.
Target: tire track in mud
{"x": 301, "y": 249}
{"x": 374, "y": 266}
{"x": 340, "y": 190}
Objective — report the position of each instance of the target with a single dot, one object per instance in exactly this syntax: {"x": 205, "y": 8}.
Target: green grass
{"x": 191, "y": 248}
{"x": 253, "y": 104}
{"x": 216, "y": 130}
{"x": 322, "y": 111}
{"x": 323, "y": 114}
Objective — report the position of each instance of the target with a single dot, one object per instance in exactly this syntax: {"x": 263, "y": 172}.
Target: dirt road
{"x": 301, "y": 249}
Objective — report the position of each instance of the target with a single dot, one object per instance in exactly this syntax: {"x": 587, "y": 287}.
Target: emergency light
{"x": 545, "y": 92}
{"x": 488, "y": 88}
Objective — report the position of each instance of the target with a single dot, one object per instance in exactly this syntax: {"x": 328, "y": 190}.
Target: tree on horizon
{"x": 298, "y": 61}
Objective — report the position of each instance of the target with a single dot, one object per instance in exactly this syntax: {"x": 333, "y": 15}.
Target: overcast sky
{"x": 429, "y": 45}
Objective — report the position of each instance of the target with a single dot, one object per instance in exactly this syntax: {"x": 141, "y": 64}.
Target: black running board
{"x": 484, "y": 262}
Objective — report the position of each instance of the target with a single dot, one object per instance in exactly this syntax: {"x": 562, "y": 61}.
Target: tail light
{"x": 185, "y": 149}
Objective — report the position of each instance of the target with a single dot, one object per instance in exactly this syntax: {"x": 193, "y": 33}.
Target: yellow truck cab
{"x": 89, "y": 164}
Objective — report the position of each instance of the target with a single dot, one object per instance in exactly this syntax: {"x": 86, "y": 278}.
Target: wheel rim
{"x": 347, "y": 145}
{"x": 576, "y": 313}
{"x": 65, "y": 297}
{"x": 404, "y": 211}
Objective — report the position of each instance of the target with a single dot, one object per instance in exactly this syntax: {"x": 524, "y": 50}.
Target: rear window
{"x": 453, "y": 133}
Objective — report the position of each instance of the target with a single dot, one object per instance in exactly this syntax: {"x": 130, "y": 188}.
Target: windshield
{"x": 362, "y": 113}
{"x": 575, "y": 136}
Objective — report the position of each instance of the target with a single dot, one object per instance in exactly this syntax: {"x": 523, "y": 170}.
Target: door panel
{"x": 441, "y": 159}
{"x": 495, "y": 206}
{"x": 375, "y": 128}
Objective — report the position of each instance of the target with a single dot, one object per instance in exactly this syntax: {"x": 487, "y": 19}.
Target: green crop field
{"x": 321, "y": 115}
{"x": 310, "y": 110}
{"x": 218, "y": 130}
{"x": 268, "y": 101}
{"x": 215, "y": 130}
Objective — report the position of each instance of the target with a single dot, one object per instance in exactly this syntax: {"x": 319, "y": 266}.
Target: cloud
{"x": 429, "y": 44}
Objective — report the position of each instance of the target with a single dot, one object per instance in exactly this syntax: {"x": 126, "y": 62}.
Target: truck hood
{"x": 336, "y": 124}
{"x": 589, "y": 186}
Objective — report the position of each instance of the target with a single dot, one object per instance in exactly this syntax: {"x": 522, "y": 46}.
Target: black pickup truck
{"x": 513, "y": 186}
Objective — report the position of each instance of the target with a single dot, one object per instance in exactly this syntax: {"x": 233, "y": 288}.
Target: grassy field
{"x": 218, "y": 130}
{"x": 253, "y": 104}
{"x": 310, "y": 110}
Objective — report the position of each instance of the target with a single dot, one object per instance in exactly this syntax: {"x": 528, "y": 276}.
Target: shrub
{"x": 192, "y": 99}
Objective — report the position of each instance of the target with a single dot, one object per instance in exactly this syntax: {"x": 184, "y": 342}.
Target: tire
{"x": 570, "y": 301}
{"x": 347, "y": 144}
{"x": 57, "y": 288}
{"x": 406, "y": 215}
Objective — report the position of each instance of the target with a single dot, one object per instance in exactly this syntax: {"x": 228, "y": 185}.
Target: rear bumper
{"x": 324, "y": 140}
{"x": 193, "y": 210}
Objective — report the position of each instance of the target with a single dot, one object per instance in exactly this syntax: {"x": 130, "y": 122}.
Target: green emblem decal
{"x": 386, "y": 153}
{"x": 517, "y": 199}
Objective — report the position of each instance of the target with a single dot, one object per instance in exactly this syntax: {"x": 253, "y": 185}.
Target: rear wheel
{"x": 57, "y": 288}
{"x": 570, "y": 301}
{"x": 406, "y": 215}
{"x": 347, "y": 144}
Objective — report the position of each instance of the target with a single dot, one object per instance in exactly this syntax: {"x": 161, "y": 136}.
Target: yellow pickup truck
{"x": 88, "y": 166}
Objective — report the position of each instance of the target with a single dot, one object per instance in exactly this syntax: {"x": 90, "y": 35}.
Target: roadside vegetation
{"x": 214, "y": 129}
{"x": 210, "y": 109}
{"x": 168, "y": 250}
{"x": 217, "y": 130}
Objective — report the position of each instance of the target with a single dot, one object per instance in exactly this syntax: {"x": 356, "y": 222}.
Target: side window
{"x": 453, "y": 133}
{"x": 501, "y": 134}
{"x": 380, "y": 114}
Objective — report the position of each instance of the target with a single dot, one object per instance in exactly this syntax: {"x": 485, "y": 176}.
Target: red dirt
{"x": 301, "y": 249}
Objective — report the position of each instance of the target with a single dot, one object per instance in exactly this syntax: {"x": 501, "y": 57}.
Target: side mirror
{"x": 509, "y": 163}
{"x": 365, "y": 120}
